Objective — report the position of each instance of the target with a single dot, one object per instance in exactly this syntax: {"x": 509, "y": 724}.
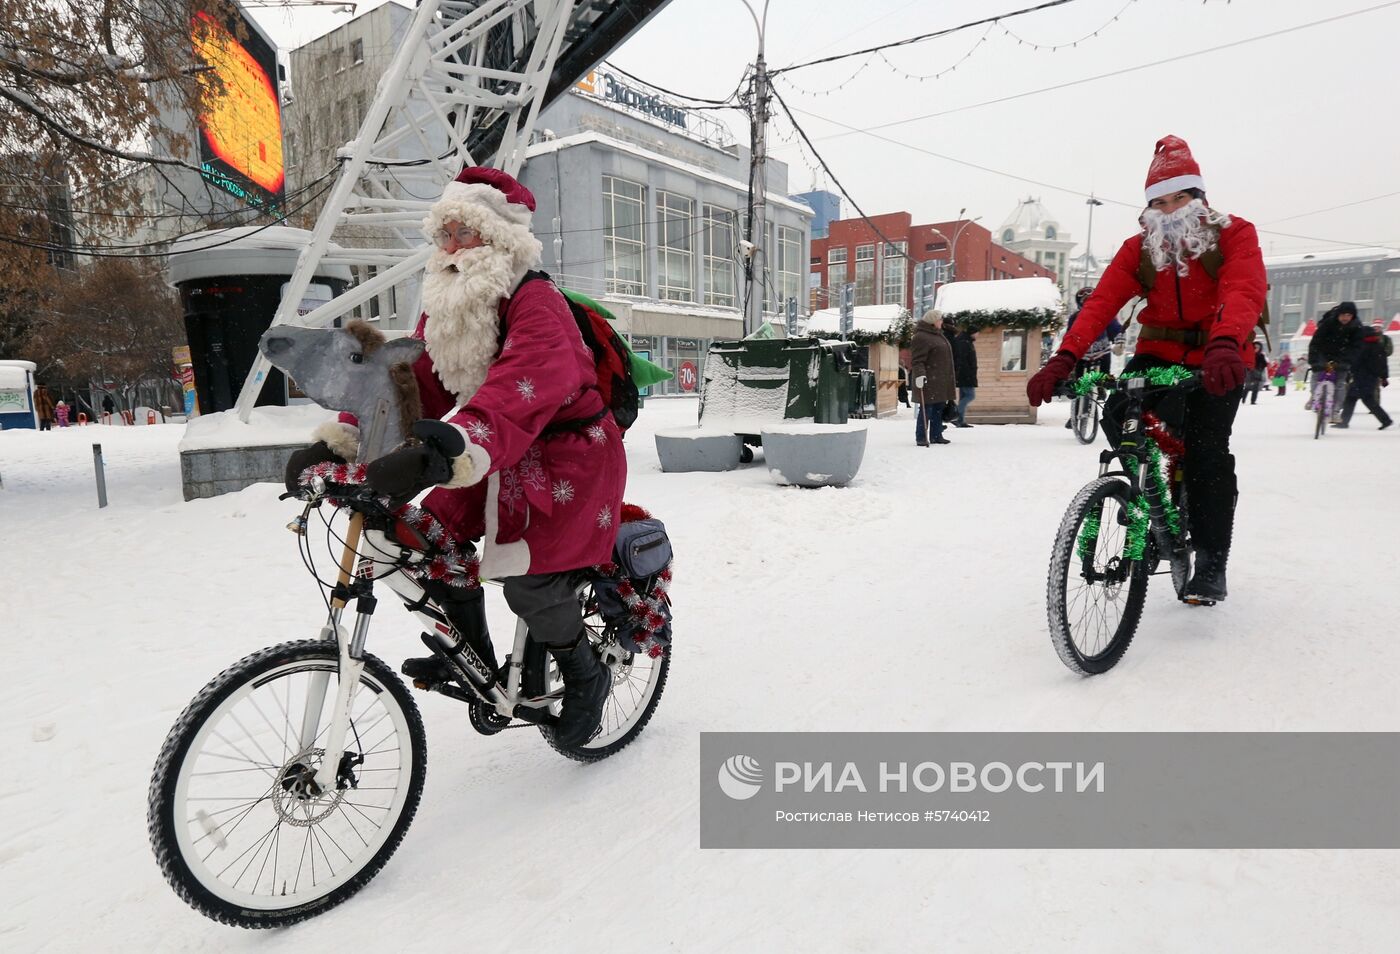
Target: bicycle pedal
{"x": 1196, "y": 601}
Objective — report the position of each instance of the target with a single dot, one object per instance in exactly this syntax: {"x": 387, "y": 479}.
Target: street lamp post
{"x": 953, "y": 244}
{"x": 758, "y": 185}
{"x": 1089, "y": 240}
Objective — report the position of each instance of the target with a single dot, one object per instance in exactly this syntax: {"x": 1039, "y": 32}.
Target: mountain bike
{"x": 292, "y": 777}
{"x": 1323, "y": 402}
{"x": 1084, "y": 414}
{"x": 1121, "y": 527}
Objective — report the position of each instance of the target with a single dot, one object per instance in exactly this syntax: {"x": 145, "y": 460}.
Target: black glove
{"x": 403, "y": 473}
{"x": 318, "y": 453}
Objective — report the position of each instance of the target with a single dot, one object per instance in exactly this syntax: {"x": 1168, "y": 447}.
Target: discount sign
{"x": 688, "y": 376}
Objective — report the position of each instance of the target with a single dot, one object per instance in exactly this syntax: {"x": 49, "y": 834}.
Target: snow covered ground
{"x": 912, "y": 600}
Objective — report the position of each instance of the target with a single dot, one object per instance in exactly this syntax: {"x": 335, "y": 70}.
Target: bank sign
{"x": 607, "y": 87}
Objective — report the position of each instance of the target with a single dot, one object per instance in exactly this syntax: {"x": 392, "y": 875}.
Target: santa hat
{"x": 493, "y": 203}
{"x": 1173, "y": 169}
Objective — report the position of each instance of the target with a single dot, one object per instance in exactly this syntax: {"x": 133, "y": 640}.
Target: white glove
{"x": 920, "y": 380}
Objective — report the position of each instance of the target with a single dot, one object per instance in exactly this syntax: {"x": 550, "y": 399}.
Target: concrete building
{"x": 883, "y": 270}
{"x": 826, "y": 208}
{"x": 1303, "y": 286}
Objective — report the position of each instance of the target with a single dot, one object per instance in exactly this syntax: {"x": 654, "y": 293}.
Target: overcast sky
{"x": 1283, "y": 127}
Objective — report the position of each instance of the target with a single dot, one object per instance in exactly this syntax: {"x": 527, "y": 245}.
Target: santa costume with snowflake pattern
{"x": 544, "y": 470}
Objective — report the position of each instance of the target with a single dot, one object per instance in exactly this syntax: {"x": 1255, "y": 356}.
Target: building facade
{"x": 826, "y": 208}
{"x": 1302, "y": 287}
{"x": 1034, "y": 233}
{"x": 882, "y": 268}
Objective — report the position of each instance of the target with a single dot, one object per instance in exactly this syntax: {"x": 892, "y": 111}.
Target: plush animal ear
{"x": 403, "y": 350}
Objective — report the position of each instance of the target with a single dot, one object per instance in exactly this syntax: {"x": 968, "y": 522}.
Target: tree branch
{"x": 24, "y": 102}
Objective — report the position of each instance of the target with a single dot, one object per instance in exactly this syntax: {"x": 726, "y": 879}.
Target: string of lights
{"x": 1052, "y": 47}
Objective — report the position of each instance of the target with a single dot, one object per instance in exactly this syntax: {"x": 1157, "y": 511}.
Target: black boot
{"x": 587, "y": 683}
{"x": 1207, "y": 583}
{"x": 467, "y": 613}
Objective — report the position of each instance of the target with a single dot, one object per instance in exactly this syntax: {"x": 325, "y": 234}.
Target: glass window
{"x": 835, "y": 278}
{"x": 789, "y": 265}
{"x": 1050, "y": 233}
{"x": 1363, "y": 314}
{"x": 865, "y": 274}
{"x": 895, "y": 272}
{"x": 719, "y": 256}
{"x": 1013, "y": 351}
{"x": 1395, "y": 288}
{"x": 675, "y": 260}
{"x": 1008, "y": 236}
{"x": 291, "y": 148}
{"x": 357, "y": 52}
{"x": 1327, "y": 291}
{"x": 1292, "y": 294}
{"x": 836, "y": 256}
{"x": 1365, "y": 289}
{"x": 624, "y": 249}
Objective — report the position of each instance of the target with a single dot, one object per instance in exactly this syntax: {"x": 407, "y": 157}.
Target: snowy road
{"x": 912, "y": 600}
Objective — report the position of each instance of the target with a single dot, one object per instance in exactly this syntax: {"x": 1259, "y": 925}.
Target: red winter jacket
{"x": 1227, "y": 306}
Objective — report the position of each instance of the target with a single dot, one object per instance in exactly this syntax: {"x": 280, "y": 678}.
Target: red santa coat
{"x": 550, "y": 492}
{"x": 1226, "y": 306}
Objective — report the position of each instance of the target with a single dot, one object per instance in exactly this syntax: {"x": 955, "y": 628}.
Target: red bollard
{"x": 82, "y": 418}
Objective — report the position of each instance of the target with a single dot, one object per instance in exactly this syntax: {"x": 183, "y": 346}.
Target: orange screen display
{"x": 241, "y": 133}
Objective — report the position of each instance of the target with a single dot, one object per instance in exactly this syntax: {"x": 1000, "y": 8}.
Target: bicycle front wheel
{"x": 1086, "y": 419}
{"x": 238, "y": 824}
{"x": 1321, "y": 409}
{"x": 1095, "y": 591}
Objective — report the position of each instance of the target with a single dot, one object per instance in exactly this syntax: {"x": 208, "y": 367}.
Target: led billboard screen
{"x": 240, "y": 132}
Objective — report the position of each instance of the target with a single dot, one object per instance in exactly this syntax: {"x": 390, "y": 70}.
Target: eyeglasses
{"x": 462, "y": 236}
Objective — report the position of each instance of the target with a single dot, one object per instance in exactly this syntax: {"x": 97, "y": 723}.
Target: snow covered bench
{"x": 814, "y": 455}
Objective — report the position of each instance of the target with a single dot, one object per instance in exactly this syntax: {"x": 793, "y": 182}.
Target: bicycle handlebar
{"x": 1094, "y": 379}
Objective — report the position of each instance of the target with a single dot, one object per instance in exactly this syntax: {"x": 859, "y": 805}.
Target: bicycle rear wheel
{"x": 1321, "y": 410}
{"x": 1085, "y": 413}
{"x": 1094, "y": 593}
{"x": 238, "y": 825}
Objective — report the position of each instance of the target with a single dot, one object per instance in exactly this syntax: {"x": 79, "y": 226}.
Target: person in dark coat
{"x": 965, "y": 372}
{"x": 931, "y": 366}
{"x": 1337, "y": 341}
{"x": 904, "y": 387}
{"x": 43, "y": 407}
{"x": 1254, "y": 377}
{"x": 1370, "y": 373}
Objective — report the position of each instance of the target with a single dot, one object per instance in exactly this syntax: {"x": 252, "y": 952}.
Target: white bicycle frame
{"x": 386, "y": 566}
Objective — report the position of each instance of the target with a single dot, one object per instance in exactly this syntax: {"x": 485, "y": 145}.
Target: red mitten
{"x": 1223, "y": 368}
{"x": 1041, "y": 387}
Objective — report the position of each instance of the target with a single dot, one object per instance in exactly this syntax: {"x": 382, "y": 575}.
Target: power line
{"x": 1124, "y": 70}
{"x": 924, "y": 36}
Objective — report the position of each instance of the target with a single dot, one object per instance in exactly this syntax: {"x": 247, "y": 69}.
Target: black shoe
{"x": 1387, "y": 424}
{"x": 940, "y": 440}
{"x": 962, "y": 425}
{"x": 1341, "y": 427}
{"x": 427, "y": 671}
{"x": 1207, "y": 583}
{"x": 587, "y": 683}
{"x": 1069, "y": 424}
{"x": 922, "y": 443}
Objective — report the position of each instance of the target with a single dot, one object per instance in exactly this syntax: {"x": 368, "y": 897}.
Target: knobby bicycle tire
{"x": 1065, "y": 559}
{"x": 161, "y": 820}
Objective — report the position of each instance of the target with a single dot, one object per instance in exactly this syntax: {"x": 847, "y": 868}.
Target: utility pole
{"x": 758, "y": 189}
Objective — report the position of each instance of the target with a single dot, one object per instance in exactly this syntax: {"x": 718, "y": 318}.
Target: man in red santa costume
{"x": 1202, "y": 305}
{"x": 541, "y": 470}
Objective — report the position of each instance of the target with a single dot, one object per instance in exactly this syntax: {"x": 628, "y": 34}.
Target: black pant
{"x": 1366, "y": 391}
{"x": 1205, "y": 422}
{"x": 45, "y": 423}
{"x": 548, "y": 603}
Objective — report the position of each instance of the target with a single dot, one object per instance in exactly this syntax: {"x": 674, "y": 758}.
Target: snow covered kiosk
{"x": 879, "y": 332}
{"x": 17, "y": 394}
{"x": 1009, "y": 318}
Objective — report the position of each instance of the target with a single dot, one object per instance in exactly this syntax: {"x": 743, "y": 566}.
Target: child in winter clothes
{"x": 60, "y": 414}
{"x": 1282, "y": 369}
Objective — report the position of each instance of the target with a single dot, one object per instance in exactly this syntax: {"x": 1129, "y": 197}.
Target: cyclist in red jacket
{"x": 1202, "y": 275}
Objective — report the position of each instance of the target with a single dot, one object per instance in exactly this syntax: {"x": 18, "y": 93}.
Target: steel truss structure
{"x": 464, "y": 88}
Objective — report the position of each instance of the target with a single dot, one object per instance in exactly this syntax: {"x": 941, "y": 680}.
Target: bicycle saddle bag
{"x": 642, "y": 548}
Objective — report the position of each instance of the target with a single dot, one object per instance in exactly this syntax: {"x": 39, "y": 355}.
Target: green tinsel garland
{"x": 1022, "y": 319}
{"x": 1164, "y": 376}
{"x": 1139, "y": 518}
{"x": 1088, "y": 536}
{"x": 1087, "y": 383}
{"x": 1159, "y": 486}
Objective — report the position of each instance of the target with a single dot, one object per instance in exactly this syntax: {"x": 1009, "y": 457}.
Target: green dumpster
{"x": 754, "y": 382}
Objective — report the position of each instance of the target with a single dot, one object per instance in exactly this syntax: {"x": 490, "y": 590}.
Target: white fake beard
{"x": 1175, "y": 238}
{"x": 463, "y": 308}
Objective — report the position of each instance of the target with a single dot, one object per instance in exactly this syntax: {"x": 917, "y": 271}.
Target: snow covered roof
{"x": 1334, "y": 255}
{"x": 1028, "y": 221}
{"x": 1013, "y": 294}
{"x": 869, "y": 319}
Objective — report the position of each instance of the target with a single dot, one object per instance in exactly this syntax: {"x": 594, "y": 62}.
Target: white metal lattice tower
{"x": 464, "y": 88}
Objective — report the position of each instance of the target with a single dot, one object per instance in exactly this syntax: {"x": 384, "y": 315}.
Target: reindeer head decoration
{"x": 353, "y": 369}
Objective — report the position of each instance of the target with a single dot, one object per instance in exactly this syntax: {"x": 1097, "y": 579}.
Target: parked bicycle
{"x": 1084, "y": 412}
{"x": 292, "y": 777}
{"x": 1121, "y": 527}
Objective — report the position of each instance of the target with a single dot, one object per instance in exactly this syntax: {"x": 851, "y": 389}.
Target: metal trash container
{"x": 756, "y": 381}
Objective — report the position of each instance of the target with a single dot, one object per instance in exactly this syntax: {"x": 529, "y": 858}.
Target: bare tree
{"x": 112, "y": 322}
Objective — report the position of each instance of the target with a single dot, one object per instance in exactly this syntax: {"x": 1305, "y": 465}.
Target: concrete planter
{"x": 683, "y": 449}
{"x": 814, "y": 455}
{"x": 224, "y": 470}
